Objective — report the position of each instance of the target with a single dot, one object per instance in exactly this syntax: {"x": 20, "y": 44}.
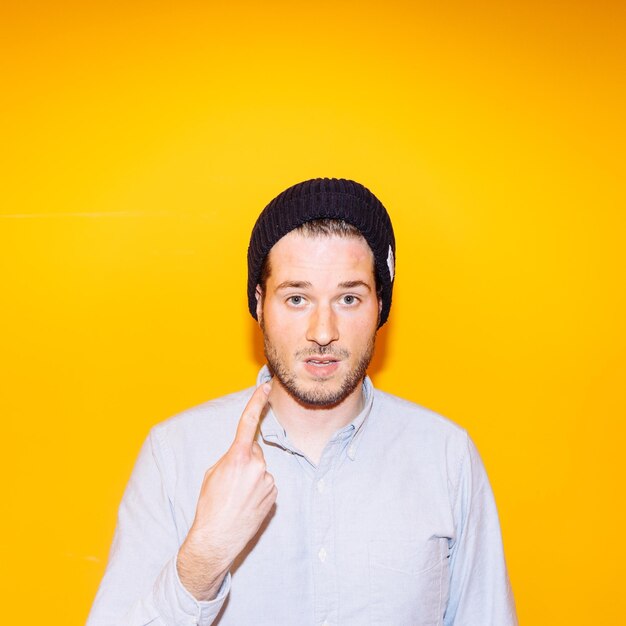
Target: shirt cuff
{"x": 175, "y": 602}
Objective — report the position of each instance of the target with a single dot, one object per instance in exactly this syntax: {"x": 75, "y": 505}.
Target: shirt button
{"x": 322, "y": 555}
{"x": 320, "y": 485}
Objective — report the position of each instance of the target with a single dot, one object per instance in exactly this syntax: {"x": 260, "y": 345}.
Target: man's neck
{"x": 310, "y": 428}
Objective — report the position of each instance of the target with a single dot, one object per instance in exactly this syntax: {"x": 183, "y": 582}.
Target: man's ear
{"x": 258, "y": 292}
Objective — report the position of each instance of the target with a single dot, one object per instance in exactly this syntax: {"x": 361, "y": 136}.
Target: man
{"x": 314, "y": 499}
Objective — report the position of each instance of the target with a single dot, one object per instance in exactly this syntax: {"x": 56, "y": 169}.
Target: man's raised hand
{"x": 236, "y": 496}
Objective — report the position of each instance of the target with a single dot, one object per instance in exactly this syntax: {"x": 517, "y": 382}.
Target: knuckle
{"x": 257, "y": 454}
{"x": 259, "y": 465}
{"x": 239, "y": 454}
{"x": 248, "y": 417}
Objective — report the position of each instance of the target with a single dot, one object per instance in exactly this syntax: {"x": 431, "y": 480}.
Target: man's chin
{"x": 322, "y": 394}
{"x": 318, "y": 402}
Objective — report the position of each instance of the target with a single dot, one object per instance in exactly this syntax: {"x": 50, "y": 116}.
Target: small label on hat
{"x": 390, "y": 263}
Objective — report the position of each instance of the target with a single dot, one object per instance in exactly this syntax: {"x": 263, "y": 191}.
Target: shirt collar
{"x": 272, "y": 429}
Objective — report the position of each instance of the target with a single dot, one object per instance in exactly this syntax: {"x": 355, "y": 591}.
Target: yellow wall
{"x": 138, "y": 145}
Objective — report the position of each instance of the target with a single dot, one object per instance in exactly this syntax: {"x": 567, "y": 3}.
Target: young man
{"x": 313, "y": 499}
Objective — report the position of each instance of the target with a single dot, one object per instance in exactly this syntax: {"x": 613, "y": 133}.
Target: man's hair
{"x": 325, "y": 227}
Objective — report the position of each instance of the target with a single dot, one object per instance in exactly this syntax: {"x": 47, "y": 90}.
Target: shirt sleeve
{"x": 141, "y": 585}
{"x": 480, "y": 592}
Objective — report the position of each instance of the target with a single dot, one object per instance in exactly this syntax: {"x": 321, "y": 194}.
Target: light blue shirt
{"x": 396, "y": 525}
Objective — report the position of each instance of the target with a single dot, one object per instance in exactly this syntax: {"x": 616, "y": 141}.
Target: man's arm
{"x": 148, "y": 579}
{"x": 480, "y": 592}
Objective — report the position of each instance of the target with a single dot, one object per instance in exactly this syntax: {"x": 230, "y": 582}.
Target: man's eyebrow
{"x": 305, "y": 284}
{"x": 351, "y": 284}
{"x": 294, "y": 284}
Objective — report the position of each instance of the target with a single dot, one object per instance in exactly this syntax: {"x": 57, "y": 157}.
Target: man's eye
{"x": 295, "y": 300}
{"x": 350, "y": 300}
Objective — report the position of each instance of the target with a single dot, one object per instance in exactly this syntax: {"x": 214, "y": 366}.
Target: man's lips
{"x": 322, "y": 366}
{"x": 321, "y": 360}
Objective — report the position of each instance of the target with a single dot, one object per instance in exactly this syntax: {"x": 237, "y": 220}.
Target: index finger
{"x": 249, "y": 421}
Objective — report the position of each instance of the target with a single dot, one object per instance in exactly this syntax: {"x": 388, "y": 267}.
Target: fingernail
{"x": 267, "y": 387}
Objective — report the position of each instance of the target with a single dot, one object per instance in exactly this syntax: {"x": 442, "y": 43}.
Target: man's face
{"x": 319, "y": 316}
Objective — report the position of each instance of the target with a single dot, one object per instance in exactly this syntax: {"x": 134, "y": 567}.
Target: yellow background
{"x": 141, "y": 139}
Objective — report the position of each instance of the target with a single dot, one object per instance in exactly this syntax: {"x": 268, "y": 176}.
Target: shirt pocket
{"x": 408, "y": 581}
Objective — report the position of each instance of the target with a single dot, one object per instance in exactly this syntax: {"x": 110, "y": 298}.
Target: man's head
{"x": 320, "y": 289}
{"x": 334, "y": 199}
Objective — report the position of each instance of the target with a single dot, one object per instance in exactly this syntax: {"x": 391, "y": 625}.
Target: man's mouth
{"x": 320, "y": 362}
{"x": 322, "y": 366}
{"x": 324, "y": 363}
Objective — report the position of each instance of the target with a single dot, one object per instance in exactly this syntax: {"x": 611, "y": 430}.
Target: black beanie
{"x": 319, "y": 198}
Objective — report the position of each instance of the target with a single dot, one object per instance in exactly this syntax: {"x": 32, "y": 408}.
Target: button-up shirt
{"x": 396, "y": 524}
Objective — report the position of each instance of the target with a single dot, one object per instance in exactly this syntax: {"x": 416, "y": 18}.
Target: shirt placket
{"x": 324, "y": 558}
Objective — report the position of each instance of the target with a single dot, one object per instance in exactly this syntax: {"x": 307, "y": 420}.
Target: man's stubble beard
{"x": 318, "y": 397}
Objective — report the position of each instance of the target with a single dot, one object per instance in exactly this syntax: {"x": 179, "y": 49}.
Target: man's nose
{"x": 322, "y": 327}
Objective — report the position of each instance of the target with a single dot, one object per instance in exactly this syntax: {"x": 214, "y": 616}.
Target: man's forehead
{"x": 299, "y": 245}
{"x": 306, "y": 253}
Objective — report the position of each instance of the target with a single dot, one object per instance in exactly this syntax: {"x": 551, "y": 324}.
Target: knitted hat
{"x": 319, "y": 198}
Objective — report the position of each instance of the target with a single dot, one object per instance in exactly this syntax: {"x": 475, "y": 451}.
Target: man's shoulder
{"x": 213, "y": 422}
{"x": 216, "y": 408}
{"x": 413, "y": 420}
